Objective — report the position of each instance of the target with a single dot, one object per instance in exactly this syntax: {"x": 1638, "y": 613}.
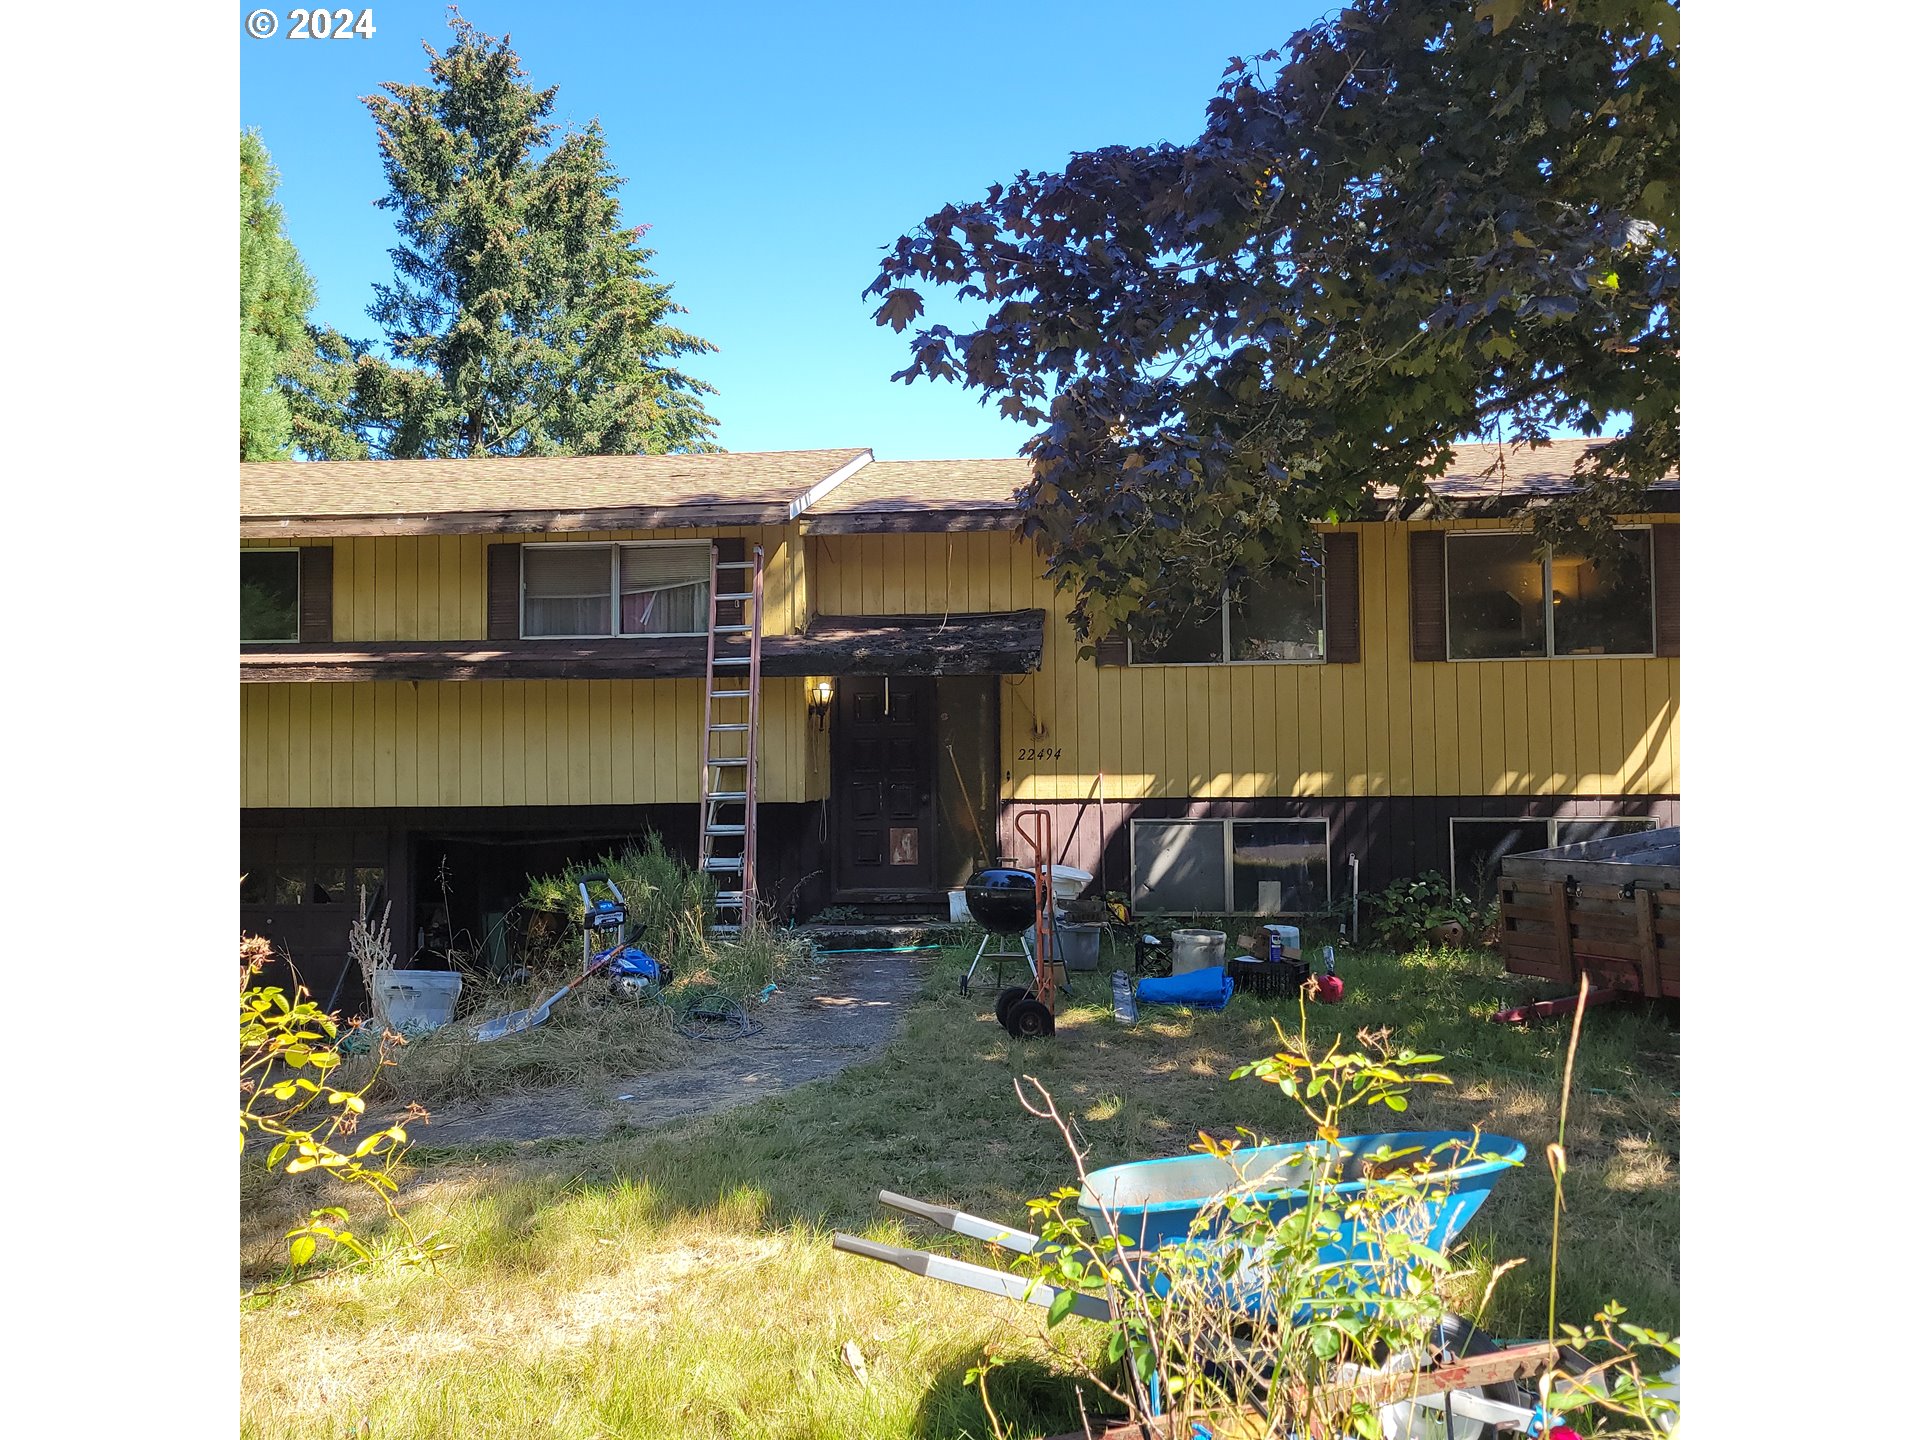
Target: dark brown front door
{"x": 883, "y": 785}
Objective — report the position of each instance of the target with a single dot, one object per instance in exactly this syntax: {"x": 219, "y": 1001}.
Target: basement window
{"x": 1271, "y": 619}
{"x": 269, "y": 595}
{"x": 580, "y": 592}
{"x": 1507, "y": 602}
{"x": 1230, "y": 867}
{"x": 1480, "y": 842}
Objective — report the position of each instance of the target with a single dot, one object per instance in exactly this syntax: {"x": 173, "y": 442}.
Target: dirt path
{"x": 819, "y": 1026}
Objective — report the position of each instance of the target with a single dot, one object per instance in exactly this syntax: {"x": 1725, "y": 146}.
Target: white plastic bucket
{"x": 422, "y": 998}
{"x": 1198, "y": 950}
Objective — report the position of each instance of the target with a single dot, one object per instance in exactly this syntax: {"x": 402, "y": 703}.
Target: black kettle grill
{"x": 1003, "y": 901}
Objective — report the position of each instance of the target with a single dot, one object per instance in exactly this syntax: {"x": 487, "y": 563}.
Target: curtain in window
{"x": 567, "y": 590}
{"x": 663, "y": 589}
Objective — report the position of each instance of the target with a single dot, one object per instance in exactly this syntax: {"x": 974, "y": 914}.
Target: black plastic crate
{"x": 1268, "y": 979}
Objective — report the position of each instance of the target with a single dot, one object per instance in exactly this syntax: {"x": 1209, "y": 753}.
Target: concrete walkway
{"x": 852, "y": 1009}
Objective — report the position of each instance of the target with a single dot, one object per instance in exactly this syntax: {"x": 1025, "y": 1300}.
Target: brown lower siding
{"x": 1394, "y": 836}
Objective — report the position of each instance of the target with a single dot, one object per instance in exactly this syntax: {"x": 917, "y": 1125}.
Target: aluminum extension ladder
{"x": 730, "y": 743}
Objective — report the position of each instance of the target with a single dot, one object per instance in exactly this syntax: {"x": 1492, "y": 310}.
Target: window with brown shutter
{"x": 1666, "y": 589}
{"x": 1342, "y": 578}
{"x": 1427, "y": 593}
{"x": 1112, "y": 650}
{"x": 503, "y": 591}
{"x": 316, "y": 594}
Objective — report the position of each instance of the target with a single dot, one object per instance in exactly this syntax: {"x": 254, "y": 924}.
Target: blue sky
{"x": 776, "y": 150}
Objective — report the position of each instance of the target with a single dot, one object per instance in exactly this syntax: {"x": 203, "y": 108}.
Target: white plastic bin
{"x": 1283, "y": 942}
{"x": 1068, "y": 882}
{"x": 421, "y": 998}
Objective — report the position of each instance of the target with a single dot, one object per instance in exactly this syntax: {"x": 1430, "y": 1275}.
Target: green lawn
{"x": 681, "y": 1284}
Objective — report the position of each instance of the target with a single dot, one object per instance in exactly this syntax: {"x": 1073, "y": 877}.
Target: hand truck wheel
{"x": 1029, "y": 1019}
{"x": 1008, "y": 998}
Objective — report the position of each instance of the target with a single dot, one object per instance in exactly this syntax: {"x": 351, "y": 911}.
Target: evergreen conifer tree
{"x": 522, "y": 317}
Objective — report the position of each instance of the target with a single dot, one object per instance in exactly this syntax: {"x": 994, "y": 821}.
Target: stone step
{"x": 884, "y": 934}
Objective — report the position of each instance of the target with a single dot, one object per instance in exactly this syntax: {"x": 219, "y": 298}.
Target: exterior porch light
{"x": 819, "y": 698}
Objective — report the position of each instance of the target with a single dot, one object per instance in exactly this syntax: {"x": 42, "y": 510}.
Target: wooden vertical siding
{"x": 503, "y": 742}
{"x": 1387, "y": 726}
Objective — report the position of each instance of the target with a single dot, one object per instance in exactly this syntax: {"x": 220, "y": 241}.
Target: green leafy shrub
{"x": 294, "y": 1103}
{"x": 669, "y": 900}
{"x": 1310, "y": 1320}
{"x": 1406, "y": 913}
{"x": 1174, "y": 1310}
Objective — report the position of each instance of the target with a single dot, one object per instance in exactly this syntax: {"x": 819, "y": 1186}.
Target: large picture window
{"x": 269, "y": 595}
{"x": 1272, "y": 619}
{"x": 1480, "y": 843}
{"x": 1230, "y": 867}
{"x": 1507, "y": 602}
{"x": 591, "y": 591}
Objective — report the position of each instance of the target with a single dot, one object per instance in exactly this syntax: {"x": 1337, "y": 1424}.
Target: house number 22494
{"x": 1044, "y": 753}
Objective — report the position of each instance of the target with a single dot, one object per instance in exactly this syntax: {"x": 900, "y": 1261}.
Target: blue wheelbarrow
{"x": 1173, "y": 1205}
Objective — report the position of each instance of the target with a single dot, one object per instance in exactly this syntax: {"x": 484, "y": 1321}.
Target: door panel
{"x": 882, "y": 781}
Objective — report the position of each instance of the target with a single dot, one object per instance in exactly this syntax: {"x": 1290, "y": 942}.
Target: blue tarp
{"x": 1207, "y": 989}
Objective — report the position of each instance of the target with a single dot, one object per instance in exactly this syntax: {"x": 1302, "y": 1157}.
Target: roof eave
{"x": 510, "y": 522}
{"x": 903, "y": 522}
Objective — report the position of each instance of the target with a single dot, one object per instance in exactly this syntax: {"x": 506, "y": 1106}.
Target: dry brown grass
{"x": 679, "y": 1283}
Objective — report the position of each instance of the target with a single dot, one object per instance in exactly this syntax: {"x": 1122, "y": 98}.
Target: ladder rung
{"x": 743, "y": 595}
{"x": 729, "y": 898}
{"x": 733, "y": 629}
{"x": 733, "y": 660}
{"x": 733, "y": 564}
{"x": 713, "y": 795}
{"x": 726, "y": 830}
{"x": 723, "y": 862}
{"x": 726, "y": 760}
{"x": 730, "y": 727}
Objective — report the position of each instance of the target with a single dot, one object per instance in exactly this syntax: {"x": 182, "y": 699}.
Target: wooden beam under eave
{"x": 1008, "y": 643}
{"x": 512, "y": 522}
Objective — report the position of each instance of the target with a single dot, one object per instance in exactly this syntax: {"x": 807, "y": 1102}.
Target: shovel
{"x": 516, "y": 1021}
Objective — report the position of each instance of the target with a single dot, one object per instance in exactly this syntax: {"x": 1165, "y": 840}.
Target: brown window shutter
{"x": 503, "y": 591}
{"x": 1427, "y": 593}
{"x": 1111, "y": 650}
{"x": 316, "y": 594}
{"x": 1342, "y": 579}
{"x": 1666, "y": 589}
{"x": 733, "y": 582}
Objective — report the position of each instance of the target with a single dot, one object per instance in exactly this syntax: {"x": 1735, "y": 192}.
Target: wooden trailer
{"x": 1610, "y": 908}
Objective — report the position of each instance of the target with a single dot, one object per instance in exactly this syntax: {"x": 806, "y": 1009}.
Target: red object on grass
{"x": 1329, "y": 989}
{"x": 1564, "y": 1432}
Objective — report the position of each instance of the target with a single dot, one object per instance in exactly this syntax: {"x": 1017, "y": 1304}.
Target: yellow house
{"x": 457, "y": 671}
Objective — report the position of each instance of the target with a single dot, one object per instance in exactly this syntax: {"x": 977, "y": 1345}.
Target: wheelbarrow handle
{"x": 985, "y": 1279}
{"x": 961, "y": 1223}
